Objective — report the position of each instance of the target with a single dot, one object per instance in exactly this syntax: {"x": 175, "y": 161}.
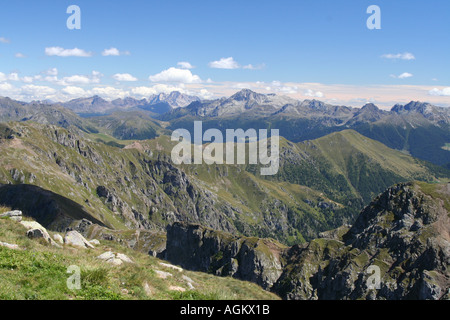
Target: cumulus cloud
{"x": 279, "y": 87}
{"x": 437, "y": 92}
{"x": 124, "y": 77}
{"x": 74, "y": 91}
{"x": 252, "y": 67}
{"x": 28, "y": 79}
{"x": 4, "y": 40}
{"x": 109, "y": 92}
{"x": 399, "y": 56}
{"x": 185, "y": 65}
{"x": 114, "y": 52}
{"x": 6, "y": 88}
{"x": 20, "y": 55}
{"x": 37, "y": 91}
{"x": 175, "y": 75}
{"x": 94, "y": 78}
{"x": 230, "y": 63}
{"x": 145, "y": 92}
{"x": 61, "y": 52}
{"x": 224, "y": 63}
{"x": 404, "y": 75}
{"x": 204, "y": 94}
{"x": 52, "y": 72}
{"x": 314, "y": 94}
{"x": 9, "y": 77}
{"x": 13, "y": 77}
{"x": 142, "y": 92}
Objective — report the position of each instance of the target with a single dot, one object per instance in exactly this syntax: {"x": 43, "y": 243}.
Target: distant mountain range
{"x": 107, "y": 172}
{"x": 157, "y": 104}
{"x": 419, "y": 129}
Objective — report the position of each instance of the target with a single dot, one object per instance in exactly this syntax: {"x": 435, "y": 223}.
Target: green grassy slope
{"x": 321, "y": 184}
{"x": 38, "y": 271}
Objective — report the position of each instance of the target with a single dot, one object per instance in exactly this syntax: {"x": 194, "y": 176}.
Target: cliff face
{"x": 201, "y": 249}
{"x": 399, "y": 248}
{"x": 404, "y": 233}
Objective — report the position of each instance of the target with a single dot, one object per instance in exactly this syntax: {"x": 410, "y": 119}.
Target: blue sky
{"x": 306, "y": 49}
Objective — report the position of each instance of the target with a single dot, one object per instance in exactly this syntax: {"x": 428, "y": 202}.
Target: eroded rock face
{"x": 202, "y": 249}
{"x": 399, "y": 248}
{"x": 74, "y": 238}
{"x": 15, "y": 215}
{"x": 37, "y": 231}
{"x": 404, "y": 232}
{"x": 116, "y": 259}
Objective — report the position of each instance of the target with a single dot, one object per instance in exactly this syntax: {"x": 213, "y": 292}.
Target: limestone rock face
{"x": 116, "y": 259}
{"x": 202, "y": 249}
{"x": 9, "y": 245}
{"x": 74, "y": 238}
{"x": 36, "y": 231}
{"x": 398, "y": 248}
{"x": 58, "y": 238}
{"x": 15, "y": 215}
{"x": 402, "y": 238}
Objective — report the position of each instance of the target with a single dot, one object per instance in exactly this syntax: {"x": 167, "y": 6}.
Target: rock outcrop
{"x": 74, "y": 238}
{"x": 37, "y": 231}
{"x": 116, "y": 259}
{"x": 9, "y": 245}
{"x": 398, "y": 248}
{"x": 15, "y": 215}
{"x": 202, "y": 249}
{"x": 401, "y": 238}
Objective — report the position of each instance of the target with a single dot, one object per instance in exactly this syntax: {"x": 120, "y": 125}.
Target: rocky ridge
{"x": 404, "y": 234}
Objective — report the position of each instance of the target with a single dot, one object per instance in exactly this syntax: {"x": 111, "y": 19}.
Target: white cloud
{"x": 401, "y": 56}
{"x": 109, "y": 92}
{"x": 78, "y": 79}
{"x": 143, "y": 91}
{"x": 175, "y": 75}
{"x": 74, "y": 91}
{"x": 205, "y": 94}
{"x": 52, "y": 72}
{"x": 124, "y": 77}
{"x": 277, "y": 86}
{"x": 185, "y": 65}
{"x": 28, "y": 79}
{"x": 230, "y": 63}
{"x": 13, "y": 77}
{"x": 114, "y": 52}
{"x": 81, "y": 79}
{"x": 61, "y": 52}
{"x": 111, "y": 52}
{"x": 20, "y": 55}
{"x": 4, "y": 40}
{"x": 9, "y": 77}
{"x": 224, "y": 63}
{"x": 404, "y": 75}
{"x": 33, "y": 92}
{"x": 5, "y": 88}
{"x": 315, "y": 94}
{"x": 437, "y": 92}
{"x": 252, "y": 67}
